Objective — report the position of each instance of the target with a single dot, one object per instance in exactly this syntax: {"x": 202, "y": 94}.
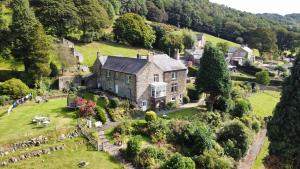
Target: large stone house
{"x": 239, "y": 55}
{"x": 150, "y": 81}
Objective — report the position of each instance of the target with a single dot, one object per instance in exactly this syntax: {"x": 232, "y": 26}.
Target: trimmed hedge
{"x": 114, "y": 103}
{"x": 150, "y": 116}
{"x": 101, "y": 114}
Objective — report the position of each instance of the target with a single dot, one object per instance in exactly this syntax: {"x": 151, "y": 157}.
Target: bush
{"x": 195, "y": 137}
{"x": 250, "y": 69}
{"x": 3, "y": 100}
{"x": 133, "y": 147}
{"x": 151, "y": 156}
{"x": 150, "y": 116}
{"x": 101, "y": 114}
{"x": 171, "y": 105}
{"x": 114, "y": 103}
{"x": 14, "y": 88}
{"x": 253, "y": 122}
{"x": 234, "y": 137}
{"x": 118, "y": 113}
{"x": 186, "y": 99}
{"x": 263, "y": 78}
{"x": 193, "y": 94}
{"x": 224, "y": 105}
{"x": 212, "y": 160}
{"x": 54, "y": 70}
{"x": 87, "y": 109}
{"x": 178, "y": 161}
{"x": 103, "y": 101}
{"x": 193, "y": 71}
{"x": 157, "y": 130}
{"x": 241, "y": 108}
{"x": 125, "y": 128}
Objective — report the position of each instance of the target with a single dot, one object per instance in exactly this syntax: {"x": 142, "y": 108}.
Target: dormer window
{"x": 174, "y": 75}
{"x": 156, "y": 78}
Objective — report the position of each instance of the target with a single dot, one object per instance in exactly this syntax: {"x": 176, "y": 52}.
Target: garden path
{"x": 112, "y": 149}
{"x": 248, "y": 161}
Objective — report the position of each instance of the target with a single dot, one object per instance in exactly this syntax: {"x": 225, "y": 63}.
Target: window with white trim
{"x": 107, "y": 73}
{"x": 128, "y": 78}
{"x": 174, "y": 75}
{"x": 174, "y": 87}
{"x": 156, "y": 77}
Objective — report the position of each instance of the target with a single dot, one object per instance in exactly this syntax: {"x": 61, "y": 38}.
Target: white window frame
{"x": 174, "y": 75}
{"x": 174, "y": 87}
{"x": 107, "y": 73}
{"x": 128, "y": 78}
{"x": 156, "y": 77}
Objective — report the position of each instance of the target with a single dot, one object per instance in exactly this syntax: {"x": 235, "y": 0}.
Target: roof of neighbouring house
{"x": 197, "y": 52}
{"x": 245, "y": 48}
{"x": 166, "y": 63}
{"x": 122, "y": 64}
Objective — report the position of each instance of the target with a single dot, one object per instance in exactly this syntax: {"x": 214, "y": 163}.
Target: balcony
{"x": 158, "y": 89}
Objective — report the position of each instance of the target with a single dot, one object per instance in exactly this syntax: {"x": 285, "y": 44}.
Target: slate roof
{"x": 197, "y": 53}
{"x": 165, "y": 63}
{"x": 122, "y": 64}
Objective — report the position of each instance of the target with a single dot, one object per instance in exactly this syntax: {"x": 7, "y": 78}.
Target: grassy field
{"x": 260, "y": 158}
{"x": 90, "y": 50}
{"x": 263, "y": 103}
{"x": 214, "y": 40}
{"x": 75, "y": 151}
{"x": 184, "y": 113}
{"x": 17, "y": 125}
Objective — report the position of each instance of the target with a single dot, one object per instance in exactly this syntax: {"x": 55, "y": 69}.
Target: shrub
{"x": 125, "y": 128}
{"x": 101, "y": 114}
{"x": 14, "y": 88}
{"x": 241, "y": 108}
{"x": 193, "y": 94}
{"x": 178, "y": 161}
{"x": 193, "y": 71}
{"x": 263, "y": 77}
{"x": 103, "y": 101}
{"x": 212, "y": 160}
{"x": 186, "y": 99}
{"x": 87, "y": 109}
{"x": 171, "y": 105}
{"x": 94, "y": 98}
{"x": 150, "y": 116}
{"x": 252, "y": 122}
{"x": 224, "y": 104}
{"x": 157, "y": 130}
{"x": 118, "y": 113}
{"x": 234, "y": 137}
{"x": 54, "y": 70}
{"x": 250, "y": 69}
{"x": 195, "y": 137}
{"x": 150, "y": 157}
{"x": 114, "y": 103}
{"x": 3, "y": 100}
{"x": 133, "y": 147}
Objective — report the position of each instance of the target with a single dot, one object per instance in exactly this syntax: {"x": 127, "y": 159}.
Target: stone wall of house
{"x": 144, "y": 78}
{"x": 181, "y": 82}
{"x": 65, "y": 81}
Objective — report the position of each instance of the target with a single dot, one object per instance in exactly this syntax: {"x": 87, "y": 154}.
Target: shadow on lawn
{"x": 8, "y": 74}
{"x": 66, "y": 112}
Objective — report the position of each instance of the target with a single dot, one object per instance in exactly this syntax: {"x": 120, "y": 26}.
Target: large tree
{"x": 59, "y": 17}
{"x": 30, "y": 45}
{"x": 262, "y": 39}
{"x": 213, "y": 76}
{"x": 133, "y": 29}
{"x": 284, "y": 127}
{"x": 92, "y": 16}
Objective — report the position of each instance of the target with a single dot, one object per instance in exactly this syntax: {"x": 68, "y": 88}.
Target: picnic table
{"x": 40, "y": 120}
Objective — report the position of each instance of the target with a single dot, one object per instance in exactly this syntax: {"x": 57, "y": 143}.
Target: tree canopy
{"x": 213, "y": 76}
{"x": 284, "y": 127}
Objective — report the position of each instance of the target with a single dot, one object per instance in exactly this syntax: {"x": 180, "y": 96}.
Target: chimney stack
{"x": 176, "y": 54}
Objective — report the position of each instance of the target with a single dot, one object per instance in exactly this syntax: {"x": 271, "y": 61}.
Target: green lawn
{"x": 90, "y": 50}
{"x": 263, "y": 103}
{"x": 184, "y": 113}
{"x": 17, "y": 125}
{"x": 75, "y": 151}
{"x": 260, "y": 158}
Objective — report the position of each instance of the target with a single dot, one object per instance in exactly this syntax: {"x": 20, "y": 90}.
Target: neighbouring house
{"x": 74, "y": 52}
{"x": 239, "y": 55}
{"x": 148, "y": 81}
{"x": 200, "y": 41}
{"x": 194, "y": 55}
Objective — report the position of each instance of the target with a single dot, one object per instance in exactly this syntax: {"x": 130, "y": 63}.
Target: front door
{"x": 117, "y": 89}
{"x": 144, "y": 105}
